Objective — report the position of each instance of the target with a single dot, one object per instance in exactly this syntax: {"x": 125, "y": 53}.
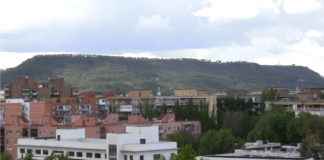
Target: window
{"x": 141, "y": 157}
{"x": 58, "y": 137}
{"x": 38, "y": 151}
{"x": 125, "y": 157}
{"x": 25, "y": 132}
{"x": 97, "y": 155}
{"x": 142, "y": 141}
{"x": 71, "y": 154}
{"x": 22, "y": 150}
{"x": 131, "y": 157}
{"x": 79, "y": 154}
{"x": 34, "y": 132}
{"x": 29, "y": 151}
{"x": 89, "y": 155}
{"x": 45, "y": 152}
{"x": 156, "y": 157}
{"x": 112, "y": 150}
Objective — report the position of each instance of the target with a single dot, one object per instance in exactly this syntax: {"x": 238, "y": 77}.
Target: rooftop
{"x": 149, "y": 147}
{"x": 259, "y": 155}
{"x": 89, "y": 143}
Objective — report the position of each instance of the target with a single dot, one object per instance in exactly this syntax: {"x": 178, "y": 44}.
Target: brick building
{"x": 40, "y": 119}
{"x": 22, "y": 87}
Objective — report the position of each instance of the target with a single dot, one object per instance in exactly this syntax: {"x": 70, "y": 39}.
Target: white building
{"x": 260, "y": 151}
{"x": 2, "y": 95}
{"x": 138, "y": 143}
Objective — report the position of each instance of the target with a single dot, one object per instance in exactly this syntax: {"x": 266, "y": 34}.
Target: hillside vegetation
{"x": 119, "y": 73}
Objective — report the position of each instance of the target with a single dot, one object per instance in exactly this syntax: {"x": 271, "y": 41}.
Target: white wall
{"x": 65, "y": 152}
{"x": 150, "y": 155}
{"x": 150, "y": 133}
{"x": 78, "y": 133}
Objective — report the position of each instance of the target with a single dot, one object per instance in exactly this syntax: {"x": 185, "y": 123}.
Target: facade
{"x": 311, "y": 94}
{"x": 312, "y": 107}
{"x": 260, "y": 151}
{"x": 140, "y": 94}
{"x": 137, "y": 143}
{"x": 70, "y": 142}
{"x": 22, "y": 87}
{"x": 190, "y": 92}
{"x": 2, "y": 95}
{"x": 27, "y": 88}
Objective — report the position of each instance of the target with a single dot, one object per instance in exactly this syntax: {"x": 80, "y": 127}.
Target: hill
{"x": 120, "y": 73}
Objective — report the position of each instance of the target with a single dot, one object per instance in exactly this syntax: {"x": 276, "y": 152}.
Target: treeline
{"x": 240, "y": 121}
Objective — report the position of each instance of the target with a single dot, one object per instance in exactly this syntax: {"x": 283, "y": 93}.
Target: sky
{"x": 276, "y": 32}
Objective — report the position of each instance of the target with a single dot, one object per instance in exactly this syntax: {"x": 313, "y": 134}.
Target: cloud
{"x": 301, "y": 6}
{"x": 136, "y": 55}
{"x": 227, "y": 30}
{"x": 220, "y": 10}
{"x": 229, "y": 10}
{"x": 306, "y": 52}
{"x": 16, "y": 15}
{"x": 13, "y": 59}
{"x": 153, "y": 23}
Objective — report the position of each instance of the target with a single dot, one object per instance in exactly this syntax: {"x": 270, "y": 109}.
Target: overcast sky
{"x": 264, "y": 31}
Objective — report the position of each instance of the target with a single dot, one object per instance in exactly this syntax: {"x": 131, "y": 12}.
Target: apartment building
{"x": 190, "y": 92}
{"x": 137, "y": 143}
{"x": 22, "y": 87}
{"x": 315, "y": 107}
{"x": 27, "y": 88}
{"x": 140, "y": 94}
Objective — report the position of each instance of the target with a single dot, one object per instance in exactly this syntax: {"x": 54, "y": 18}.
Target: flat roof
{"x": 149, "y": 147}
{"x": 87, "y": 144}
{"x": 243, "y": 154}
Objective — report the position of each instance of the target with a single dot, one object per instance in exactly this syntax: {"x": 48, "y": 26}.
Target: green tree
{"x": 197, "y": 113}
{"x": 272, "y": 126}
{"x": 28, "y": 156}
{"x": 5, "y": 156}
{"x": 182, "y": 139}
{"x": 57, "y": 157}
{"x": 270, "y": 94}
{"x": 241, "y": 123}
{"x": 185, "y": 153}
{"x": 215, "y": 142}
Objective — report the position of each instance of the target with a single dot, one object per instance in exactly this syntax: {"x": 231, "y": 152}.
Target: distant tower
{"x": 158, "y": 93}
